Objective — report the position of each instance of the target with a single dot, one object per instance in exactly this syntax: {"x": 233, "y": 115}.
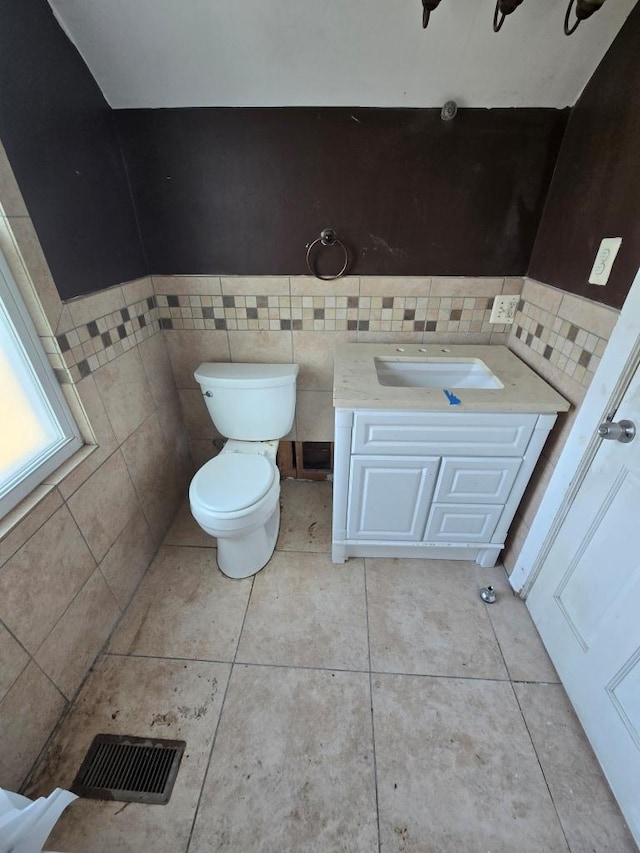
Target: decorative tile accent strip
{"x": 573, "y": 350}
{"x": 327, "y": 313}
{"x": 86, "y": 348}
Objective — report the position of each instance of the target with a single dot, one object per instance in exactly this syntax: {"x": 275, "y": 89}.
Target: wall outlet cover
{"x": 604, "y": 260}
{"x": 504, "y": 309}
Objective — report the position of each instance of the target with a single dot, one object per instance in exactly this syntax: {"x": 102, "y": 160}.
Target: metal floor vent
{"x": 129, "y": 769}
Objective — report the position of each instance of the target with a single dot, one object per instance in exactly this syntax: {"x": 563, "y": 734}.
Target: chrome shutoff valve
{"x": 488, "y": 594}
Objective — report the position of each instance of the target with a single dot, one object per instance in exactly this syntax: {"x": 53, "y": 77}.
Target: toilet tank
{"x": 249, "y": 402}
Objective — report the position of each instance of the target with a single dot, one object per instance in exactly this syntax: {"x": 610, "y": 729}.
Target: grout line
{"x": 373, "y": 728}
{"x": 5, "y": 627}
{"x": 215, "y": 734}
{"x": 524, "y": 721}
{"x": 20, "y": 521}
{"x": 544, "y": 775}
{"x": 332, "y": 669}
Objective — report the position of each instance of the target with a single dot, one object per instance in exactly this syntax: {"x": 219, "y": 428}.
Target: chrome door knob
{"x": 623, "y": 431}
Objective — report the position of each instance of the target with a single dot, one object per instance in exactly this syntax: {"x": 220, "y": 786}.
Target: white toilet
{"x": 236, "y": 495}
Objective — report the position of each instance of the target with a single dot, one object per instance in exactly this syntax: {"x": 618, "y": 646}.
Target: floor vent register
{"x": 129, "y": 769}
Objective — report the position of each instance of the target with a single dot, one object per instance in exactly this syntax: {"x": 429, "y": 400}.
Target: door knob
{"x": 623, "y": 431}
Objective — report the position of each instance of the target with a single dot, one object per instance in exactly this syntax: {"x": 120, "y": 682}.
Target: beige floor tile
{"x": 457, "y": 771}
{"x": 145, "y": 697}
{"x": 523, "y": 651}
{"x": 425, "y": 616}
{"x": 292, "y": 767}
{"x": 305, "y": 611}
{"x": 305, "y": 519}
{"x": 184, "y": 608}
{"x": 590, "y": 816}
{"x": 186, "y": 531}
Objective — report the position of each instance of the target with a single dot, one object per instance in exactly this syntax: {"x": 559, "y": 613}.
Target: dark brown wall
{"x": 60, "y": 137}
{"x": 244, "y": 190}
{"x": 595, "y": 191}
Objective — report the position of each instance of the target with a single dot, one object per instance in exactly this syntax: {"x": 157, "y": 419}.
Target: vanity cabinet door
{"x": 389, "y": 497}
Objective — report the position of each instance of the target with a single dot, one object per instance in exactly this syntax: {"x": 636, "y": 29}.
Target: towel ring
{"x": 328, "y": 237}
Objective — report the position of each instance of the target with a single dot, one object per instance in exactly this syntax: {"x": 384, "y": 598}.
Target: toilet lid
{"x": 232, "y": 481}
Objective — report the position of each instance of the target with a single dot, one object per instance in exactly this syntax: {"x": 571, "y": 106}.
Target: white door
{"x": 586, "y": 606}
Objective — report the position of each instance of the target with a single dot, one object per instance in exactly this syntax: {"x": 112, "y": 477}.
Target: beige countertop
{"x": 356, "y": 386}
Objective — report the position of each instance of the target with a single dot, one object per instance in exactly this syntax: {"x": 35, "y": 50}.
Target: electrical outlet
{"x": 504, "y": 309}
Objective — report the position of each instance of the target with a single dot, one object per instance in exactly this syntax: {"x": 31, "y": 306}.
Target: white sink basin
{"x": 443, "y": 373}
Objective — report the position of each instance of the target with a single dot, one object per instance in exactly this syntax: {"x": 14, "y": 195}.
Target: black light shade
{"x": 503, "y": 8}
{"x": 427, "y": 8}
{"x": 584, "y": 10}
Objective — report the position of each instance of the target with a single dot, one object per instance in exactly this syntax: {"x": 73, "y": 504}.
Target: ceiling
{"x": 186, "y": 53}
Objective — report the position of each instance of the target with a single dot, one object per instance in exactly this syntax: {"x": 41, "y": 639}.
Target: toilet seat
{"x": 231, "y": 482}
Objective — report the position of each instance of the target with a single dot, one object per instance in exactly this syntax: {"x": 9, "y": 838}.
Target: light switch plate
{"x": 604, "y": 260}
{"x": 504, "y": 309}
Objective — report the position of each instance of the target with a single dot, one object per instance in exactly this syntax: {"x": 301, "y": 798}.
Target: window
{"x": 37, "y": 430}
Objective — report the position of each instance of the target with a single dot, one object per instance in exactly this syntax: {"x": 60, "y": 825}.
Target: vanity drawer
{"x": 441, "y": 433}
{"x": 462, "y": 523}
{"x": 465, "y": 479}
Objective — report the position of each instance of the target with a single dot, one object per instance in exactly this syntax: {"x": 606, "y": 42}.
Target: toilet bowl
{"x": 236, "y": 498}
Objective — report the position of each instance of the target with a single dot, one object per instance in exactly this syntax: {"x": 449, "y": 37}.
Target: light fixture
{"x": 503, "y": 8}
{"x": 427, "y": 8}
{"x": 584, "y": 9}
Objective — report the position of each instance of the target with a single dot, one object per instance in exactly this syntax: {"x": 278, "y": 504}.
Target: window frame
{"x": 35, "y": 359}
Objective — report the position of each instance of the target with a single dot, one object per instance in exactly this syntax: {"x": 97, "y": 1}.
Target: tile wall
{"x": 562, "y": 337}
{"x": 302, "y": 320}
{"x": 72, "y": 555}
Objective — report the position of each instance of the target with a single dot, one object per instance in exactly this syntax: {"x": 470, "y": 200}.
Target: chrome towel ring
{"x": 328, "y": 237}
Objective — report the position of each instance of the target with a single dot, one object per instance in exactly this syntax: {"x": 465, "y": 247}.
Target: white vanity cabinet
{"x": 430, "y": 484}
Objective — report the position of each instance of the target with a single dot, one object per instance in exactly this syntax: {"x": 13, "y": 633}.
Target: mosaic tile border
{"x": 77, "y": 353}
{"x": 327, "y": 313}
{"x": 568, "y": 347}
{"x": 87, "y": 347}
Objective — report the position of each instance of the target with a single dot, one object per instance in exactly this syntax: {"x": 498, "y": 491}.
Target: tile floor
{"x": 378, "y": 705}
